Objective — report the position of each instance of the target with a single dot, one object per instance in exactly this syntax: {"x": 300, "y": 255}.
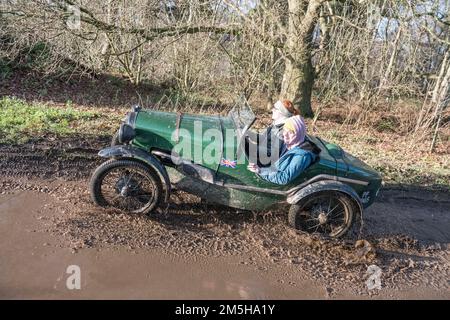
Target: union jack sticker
{"x": 228, "y": 163}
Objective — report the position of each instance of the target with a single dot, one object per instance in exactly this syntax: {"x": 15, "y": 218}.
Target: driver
{"x": 281, "y": 111}
{"x": 294, "y": 159}
{"x": 270, "y": 142}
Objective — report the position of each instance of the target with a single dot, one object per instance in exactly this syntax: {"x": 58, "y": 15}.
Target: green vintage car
{"x": 207, "y": 155}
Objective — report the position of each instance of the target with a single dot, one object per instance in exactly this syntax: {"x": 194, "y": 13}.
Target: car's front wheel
{"x": 330, "y": 213}
{"x": 126, "y": 185}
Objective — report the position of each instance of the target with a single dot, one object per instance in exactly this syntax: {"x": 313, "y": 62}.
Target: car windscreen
{"x": 242, "y": 116}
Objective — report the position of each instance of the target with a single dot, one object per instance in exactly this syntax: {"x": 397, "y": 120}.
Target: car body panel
{"x": 224, "y": 178}
{"x": 159, "y": 130}
{"x": 352, "y": 168}
{"x": 223, "y": 194}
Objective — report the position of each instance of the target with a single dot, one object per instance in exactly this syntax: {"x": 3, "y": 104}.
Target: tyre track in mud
{"x": 69, "y": 158}
{"x": 408, "y": 229}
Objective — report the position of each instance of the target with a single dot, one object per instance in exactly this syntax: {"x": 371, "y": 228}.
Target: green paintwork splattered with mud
{"x": 157, "y": 130}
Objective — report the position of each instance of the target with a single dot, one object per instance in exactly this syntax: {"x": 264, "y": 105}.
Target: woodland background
{"x": 372, "y": 76}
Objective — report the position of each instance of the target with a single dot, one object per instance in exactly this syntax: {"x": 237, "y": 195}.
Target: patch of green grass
{"x": 21, "y": 121}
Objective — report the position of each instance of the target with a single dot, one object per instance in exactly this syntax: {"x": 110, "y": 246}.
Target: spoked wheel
{"x": 327, "y": 212}
{"x": 126, "y": 185}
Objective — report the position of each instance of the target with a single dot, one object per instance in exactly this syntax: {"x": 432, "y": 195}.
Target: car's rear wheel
{"x": 126, "y": 185}
{"x": 330, "y": 213}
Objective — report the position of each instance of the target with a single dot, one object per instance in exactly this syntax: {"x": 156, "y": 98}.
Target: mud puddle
{"x": 34, "y": 265}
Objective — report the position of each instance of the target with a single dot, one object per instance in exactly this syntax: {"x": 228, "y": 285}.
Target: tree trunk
{"x": 298, "y": 77}
{"x": 298, "y": 80}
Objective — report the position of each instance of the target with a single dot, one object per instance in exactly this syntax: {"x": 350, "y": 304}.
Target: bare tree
{"x": 367, "y": 53}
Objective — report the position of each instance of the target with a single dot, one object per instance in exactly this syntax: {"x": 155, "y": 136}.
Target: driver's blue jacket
{"x": 290, "y": 165}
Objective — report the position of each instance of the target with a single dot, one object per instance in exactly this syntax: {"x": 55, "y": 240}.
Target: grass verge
{"x": 21, "y": 121}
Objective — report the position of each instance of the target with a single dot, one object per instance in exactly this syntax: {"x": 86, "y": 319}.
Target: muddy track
{"x": 408, "y": 227}
{"x": 70, "y": 158}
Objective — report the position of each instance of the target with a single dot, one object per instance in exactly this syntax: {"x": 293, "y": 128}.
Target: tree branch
{"x": 150, "y": 33}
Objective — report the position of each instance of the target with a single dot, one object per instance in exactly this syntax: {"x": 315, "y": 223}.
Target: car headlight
{"x": 126, "y": 133}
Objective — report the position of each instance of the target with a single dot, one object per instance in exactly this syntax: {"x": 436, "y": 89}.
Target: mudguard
{"x": 125, "y": 151}
{"x": 324, "y": 185}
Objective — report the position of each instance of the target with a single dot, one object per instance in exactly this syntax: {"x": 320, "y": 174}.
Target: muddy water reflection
{"x": 249, "y": 290}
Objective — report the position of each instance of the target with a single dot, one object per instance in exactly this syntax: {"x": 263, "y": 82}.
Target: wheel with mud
{"x": 330, "y": 213}
{"x": 126, "y": 185}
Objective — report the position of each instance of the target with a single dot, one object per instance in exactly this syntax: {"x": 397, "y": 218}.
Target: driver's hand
{"x": 253, "y": 167}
